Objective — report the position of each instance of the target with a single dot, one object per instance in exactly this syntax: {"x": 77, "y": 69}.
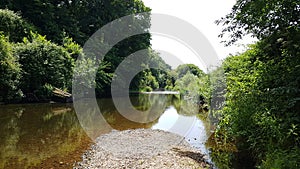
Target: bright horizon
{"x": 201, "y": 14}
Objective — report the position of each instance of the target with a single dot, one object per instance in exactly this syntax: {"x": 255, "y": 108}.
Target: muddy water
{"x": 50, "y": 135}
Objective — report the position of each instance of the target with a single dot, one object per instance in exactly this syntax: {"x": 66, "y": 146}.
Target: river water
{"x": 51, "y": 136}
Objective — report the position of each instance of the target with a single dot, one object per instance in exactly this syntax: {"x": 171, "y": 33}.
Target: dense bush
{"x": 13, "y": 26}
{"x": 10, "y": 72}
{"x": 262, "y": 104}
{"x": 44, "y": 92}
{"x": 263, "y": 84}
{"x": 44, "y": 63}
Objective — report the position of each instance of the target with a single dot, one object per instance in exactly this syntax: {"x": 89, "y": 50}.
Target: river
{"x": 51, "y": 136}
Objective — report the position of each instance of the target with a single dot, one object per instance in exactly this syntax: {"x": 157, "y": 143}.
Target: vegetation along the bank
{"x": 40, "y": 42}
{"x": 261, "y": 113}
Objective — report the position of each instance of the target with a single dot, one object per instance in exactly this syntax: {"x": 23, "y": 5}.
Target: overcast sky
{"x": 201, "y": 14}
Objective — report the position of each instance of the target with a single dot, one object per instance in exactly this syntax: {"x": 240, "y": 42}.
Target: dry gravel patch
{"x": 142, "y": 148}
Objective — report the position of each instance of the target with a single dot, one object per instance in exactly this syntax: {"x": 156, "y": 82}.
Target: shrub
{"x": 10, "y": 71}
{"x": 43, "y": 63}
{"x": 262, "y": 104}
{"x": 279, "y": 159}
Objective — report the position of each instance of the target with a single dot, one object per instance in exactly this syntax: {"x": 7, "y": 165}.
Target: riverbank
{"x": 142, "y": 148}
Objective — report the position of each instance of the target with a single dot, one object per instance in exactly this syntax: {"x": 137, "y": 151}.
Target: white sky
{"x": 201, "y": 14}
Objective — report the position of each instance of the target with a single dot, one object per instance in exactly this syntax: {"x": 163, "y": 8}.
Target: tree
{"x": 262, "y": 105}
{"x": 79, "y": 19}
{"x": 185, "y": 68}
{"x": 160, "y": 69}
{"x": 54, "y": 18}
{"x": 262, "y": 19}
{"x": 13, "y": 26}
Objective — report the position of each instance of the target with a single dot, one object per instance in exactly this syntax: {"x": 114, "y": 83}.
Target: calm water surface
{"x": 50, "y": 135}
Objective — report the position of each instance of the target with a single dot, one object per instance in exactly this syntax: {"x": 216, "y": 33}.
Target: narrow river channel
{"x": 50, "y": 135}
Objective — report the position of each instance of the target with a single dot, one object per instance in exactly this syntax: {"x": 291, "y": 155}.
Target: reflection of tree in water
{"x": 10, "y": 133}
{"x": 192, "y": 108}
{"x": 31, "y": 134}
{"x": 185, "y": 107}
{"x": 149, "y": 105}
{"x": 153, "y": 105}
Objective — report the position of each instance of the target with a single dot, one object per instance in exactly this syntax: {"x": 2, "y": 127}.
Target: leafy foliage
{"x": 262, "y": 19}
{"x": 103, "y": 79}
{"x": 187, "y": 84}
{"x": 43, "y": 63}
{"x": 10, "y": 71}
{"x": 155, "y": 74}
{"x": 69, "y": 24}
{"x": 54, "y": 18}
{"x": 282, "y": 159}
{"x": 182, "y": 70}
{"x": 148, "y": 82}
{"x": 13, "y": 26}
{"x": 72, "y": 48}
{"x": 262, "y": 100}
{"x": 161, "y": 71}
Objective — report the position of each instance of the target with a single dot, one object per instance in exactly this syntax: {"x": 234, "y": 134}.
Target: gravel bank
{"x": 142, "y": 148}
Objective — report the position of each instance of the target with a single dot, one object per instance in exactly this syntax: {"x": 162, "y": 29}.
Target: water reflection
{"x": 34, "y": 133}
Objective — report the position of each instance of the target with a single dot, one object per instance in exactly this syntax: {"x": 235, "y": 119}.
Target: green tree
{"x": 156, "y": 74}
{"x": 185, "y": 68}
{"x": 161, "y": 69}
{"x": 262, "y": 104}
{"x": 13, "y": 26}
{"x": 79, "y": 19}
{"x": 263, "y": 19}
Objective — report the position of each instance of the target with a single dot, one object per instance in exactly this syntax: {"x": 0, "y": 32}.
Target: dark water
{"x": 51, "y": 136}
